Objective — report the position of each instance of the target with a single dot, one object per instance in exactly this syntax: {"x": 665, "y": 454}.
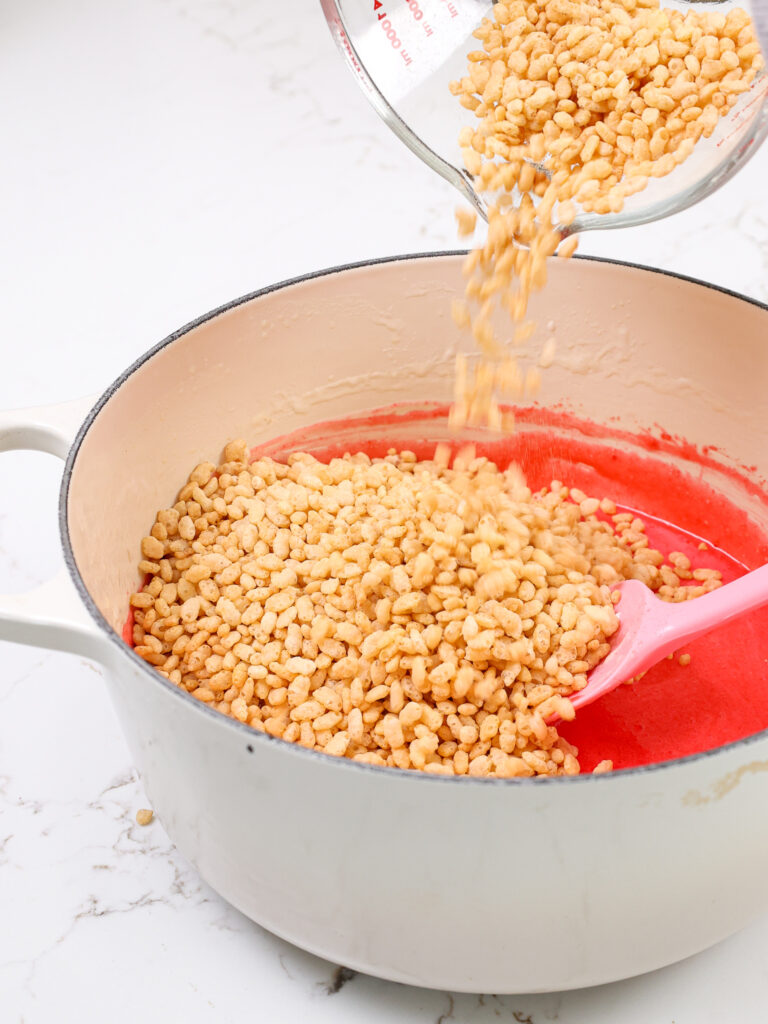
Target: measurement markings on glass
{"x": 740, "y": 119}
{"x": 450, "y": 8}
{"x": 386, "y": 26}
{"x": 418, "y": 16}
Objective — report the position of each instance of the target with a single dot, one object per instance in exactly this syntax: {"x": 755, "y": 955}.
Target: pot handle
{"x": 51, "y": 615}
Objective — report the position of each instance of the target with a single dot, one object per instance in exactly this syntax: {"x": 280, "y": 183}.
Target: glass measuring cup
{"x": 404, "y": 54}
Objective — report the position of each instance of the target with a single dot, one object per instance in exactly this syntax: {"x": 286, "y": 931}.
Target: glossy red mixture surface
{"x": 722, "y": 695}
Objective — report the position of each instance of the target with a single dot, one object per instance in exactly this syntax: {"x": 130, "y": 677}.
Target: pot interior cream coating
{"x": 635, "y": 348}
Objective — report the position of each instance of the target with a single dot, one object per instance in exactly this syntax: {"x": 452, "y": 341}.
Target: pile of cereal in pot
{"x": 424, "y": 615}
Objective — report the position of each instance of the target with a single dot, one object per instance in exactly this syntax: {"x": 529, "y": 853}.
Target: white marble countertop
{"x": 159, "y": 158}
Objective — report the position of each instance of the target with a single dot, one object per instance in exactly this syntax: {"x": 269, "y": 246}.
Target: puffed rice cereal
{"x": 579, "y": 103}
{"x": 429, "y": 615}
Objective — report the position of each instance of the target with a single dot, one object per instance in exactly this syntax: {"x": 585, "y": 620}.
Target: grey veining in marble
{"x": 159, "y": 158}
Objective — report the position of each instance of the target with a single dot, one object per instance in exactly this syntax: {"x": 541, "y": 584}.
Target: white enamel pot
{"x": 501, "y": 886}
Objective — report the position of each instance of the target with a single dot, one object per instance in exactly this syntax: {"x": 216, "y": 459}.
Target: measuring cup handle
{"x": 51, "y": 615}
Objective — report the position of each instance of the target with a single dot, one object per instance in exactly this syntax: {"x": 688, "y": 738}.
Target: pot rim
{"x": 241, "y": 729}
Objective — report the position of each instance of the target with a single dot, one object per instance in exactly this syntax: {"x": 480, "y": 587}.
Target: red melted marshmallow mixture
{"x": 722, "y": 695}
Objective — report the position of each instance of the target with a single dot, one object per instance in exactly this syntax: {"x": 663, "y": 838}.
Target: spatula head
{"x": 633, "y": 646}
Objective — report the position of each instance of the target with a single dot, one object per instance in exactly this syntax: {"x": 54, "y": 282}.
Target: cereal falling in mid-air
{"x": 578, "y": 103}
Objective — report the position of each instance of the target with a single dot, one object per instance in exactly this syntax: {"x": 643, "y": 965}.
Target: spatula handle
{"x": 690, "y": 619}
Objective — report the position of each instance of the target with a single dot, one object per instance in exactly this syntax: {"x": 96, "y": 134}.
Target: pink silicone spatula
{"x": 650, "y": 629}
